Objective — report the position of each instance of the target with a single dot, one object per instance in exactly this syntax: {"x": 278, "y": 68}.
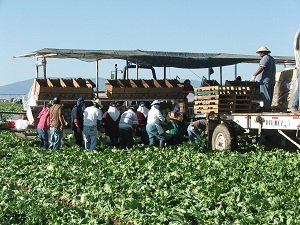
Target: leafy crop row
{"x": 178, "y": 185}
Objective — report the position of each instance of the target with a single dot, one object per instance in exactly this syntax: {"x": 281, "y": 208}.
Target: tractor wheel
{"x": 223, "y": 138}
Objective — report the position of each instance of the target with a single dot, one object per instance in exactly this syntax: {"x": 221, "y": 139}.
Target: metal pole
{"x": 137, "y": 71}
{"x": 97, "y": 77}
{"x": 44, "y": 63}
{"x": 221, "y": 75}
{"x": 116, "y": 71}
{"x": 165, "y": 72}
{"x": 208, "y": 74}
{"x": 235, "y": 71}
{"x": 127, "y": 63}
{"x": 36, "y": 69}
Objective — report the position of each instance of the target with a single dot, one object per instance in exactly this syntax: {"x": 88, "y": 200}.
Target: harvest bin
{"x": 144, "y": 89}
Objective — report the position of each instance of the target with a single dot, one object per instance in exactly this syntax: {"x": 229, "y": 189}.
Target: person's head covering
{"x": 263, "y": 49}
{"x": 49, "y": 104}
{"x": 155, "y": 102}
{"x": 56, "y": 100}
{"x": 133, "y": 107}
{"x": 113, "y": 111}
{"x": 175, "y": 116}
{"x": 97, "y": 102}
{"x": 80, "y": 100}
{"x": 113, "y": 104}
{"x": 142, "y": 108}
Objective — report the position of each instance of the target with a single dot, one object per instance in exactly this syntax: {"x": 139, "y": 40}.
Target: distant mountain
{"x": 20, "y": 88}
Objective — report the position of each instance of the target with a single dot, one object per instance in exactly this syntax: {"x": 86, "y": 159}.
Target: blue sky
{"x": 231, "y": 26}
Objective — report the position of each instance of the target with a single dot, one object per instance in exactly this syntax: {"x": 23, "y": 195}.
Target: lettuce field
{"x": 183, "y": 184}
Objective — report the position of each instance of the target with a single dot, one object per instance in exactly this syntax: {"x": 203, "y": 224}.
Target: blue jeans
{"x": 295, "y": 103}
{"x": 90, "y": 135}
{"x": 193, "y": 133}
{"x": 266, "y": 91}
{"x": 153, "y": 134}
{"x": 55, "y": 137}
{"x": 43, "y": 135}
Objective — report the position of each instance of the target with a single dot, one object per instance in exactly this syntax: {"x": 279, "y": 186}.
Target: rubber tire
{"x": 223, "y": 138}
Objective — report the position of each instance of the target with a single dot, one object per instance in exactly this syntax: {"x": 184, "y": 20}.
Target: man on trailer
{"x": 267, "y": 67}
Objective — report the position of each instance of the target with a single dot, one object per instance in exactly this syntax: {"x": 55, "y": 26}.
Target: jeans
{"x": 43, "y": 135}
{"x": 90, "y": 135}
{"x": 266, "y": 91}
{"x": 295, "y": 103}
{"x": 193, "y": 133}
{"x": 126, "y": 137}
{"x": 55, "y": 137}
{"x": 153, "y": 134}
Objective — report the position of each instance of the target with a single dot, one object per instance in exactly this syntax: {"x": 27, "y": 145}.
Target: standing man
{"x": 154, "y": 129}
{"x": 57, "y": 123}
{"x": 92, "y": 119}
{"x": 267, "y": 67}
{"x": 127, "y": 125}
{"x": 77, "y": 121}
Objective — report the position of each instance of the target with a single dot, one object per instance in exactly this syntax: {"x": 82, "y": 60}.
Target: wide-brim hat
{"x": 155, "y": 102}
{"x": 97, "y": 101}
{"x": 263, "y": 49}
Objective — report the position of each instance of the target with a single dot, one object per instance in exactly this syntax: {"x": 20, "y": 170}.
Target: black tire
{"x": 223, "y": 138}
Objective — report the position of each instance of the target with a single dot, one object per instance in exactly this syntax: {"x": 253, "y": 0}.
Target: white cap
{"x": 155, "y": 102}
{"x": 263, "y": 49}
{"x": 97, "y": 101}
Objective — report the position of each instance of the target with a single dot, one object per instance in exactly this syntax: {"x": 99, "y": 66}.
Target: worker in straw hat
{"x": 92, "y": 119}
{"x": 267, "y": 69}
{"x": 154, "y": 130}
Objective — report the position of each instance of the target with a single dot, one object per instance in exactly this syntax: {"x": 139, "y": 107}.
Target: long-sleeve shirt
{"x": 155, "y": 116}
{"x": 128, "y": 119}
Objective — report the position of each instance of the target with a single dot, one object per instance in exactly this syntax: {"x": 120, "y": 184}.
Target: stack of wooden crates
{"x": 241, "y": 97}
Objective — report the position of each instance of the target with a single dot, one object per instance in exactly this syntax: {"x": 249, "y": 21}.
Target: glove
{"x": 253, "y": 78}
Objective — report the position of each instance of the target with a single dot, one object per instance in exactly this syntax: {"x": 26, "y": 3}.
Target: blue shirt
{"x": 268, "y": 75}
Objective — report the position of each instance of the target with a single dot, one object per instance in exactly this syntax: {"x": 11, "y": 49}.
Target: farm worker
{"x": 128, "y": 123}
{"x": 187, "y": 89}
{"x": 267, "y": 67}
{"x": 111, "y": 119}
{"x": 153, "y": 128}
{"x": 194, "y": 129}
{"x": 77, "y": 121}
{"x": 295, "y": 104}
{"x": 57, "y": 123}
{"x": 44, "y": 125}
{"x": 142, "y": 114}
{"x": 175, "y": 128}
{"x": 92, "y": 120}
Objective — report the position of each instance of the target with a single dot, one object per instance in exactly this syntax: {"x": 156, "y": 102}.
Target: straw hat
{"x": 155, "y": 102}
{"x": 263, "y": 49}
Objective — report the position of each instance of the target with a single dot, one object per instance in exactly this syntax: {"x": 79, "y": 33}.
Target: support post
{"x": 97, "y": 77}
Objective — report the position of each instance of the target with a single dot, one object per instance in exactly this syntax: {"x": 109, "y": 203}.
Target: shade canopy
{"x": 156, "y": 58}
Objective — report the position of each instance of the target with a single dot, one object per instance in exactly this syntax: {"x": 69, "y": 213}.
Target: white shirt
{"x": 128, "y": 119}
{"x": 91, "y": 115}
{"x": 155, "y": 116}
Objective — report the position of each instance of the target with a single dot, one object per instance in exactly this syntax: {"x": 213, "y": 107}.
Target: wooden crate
{"x": 223, "y": 99}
